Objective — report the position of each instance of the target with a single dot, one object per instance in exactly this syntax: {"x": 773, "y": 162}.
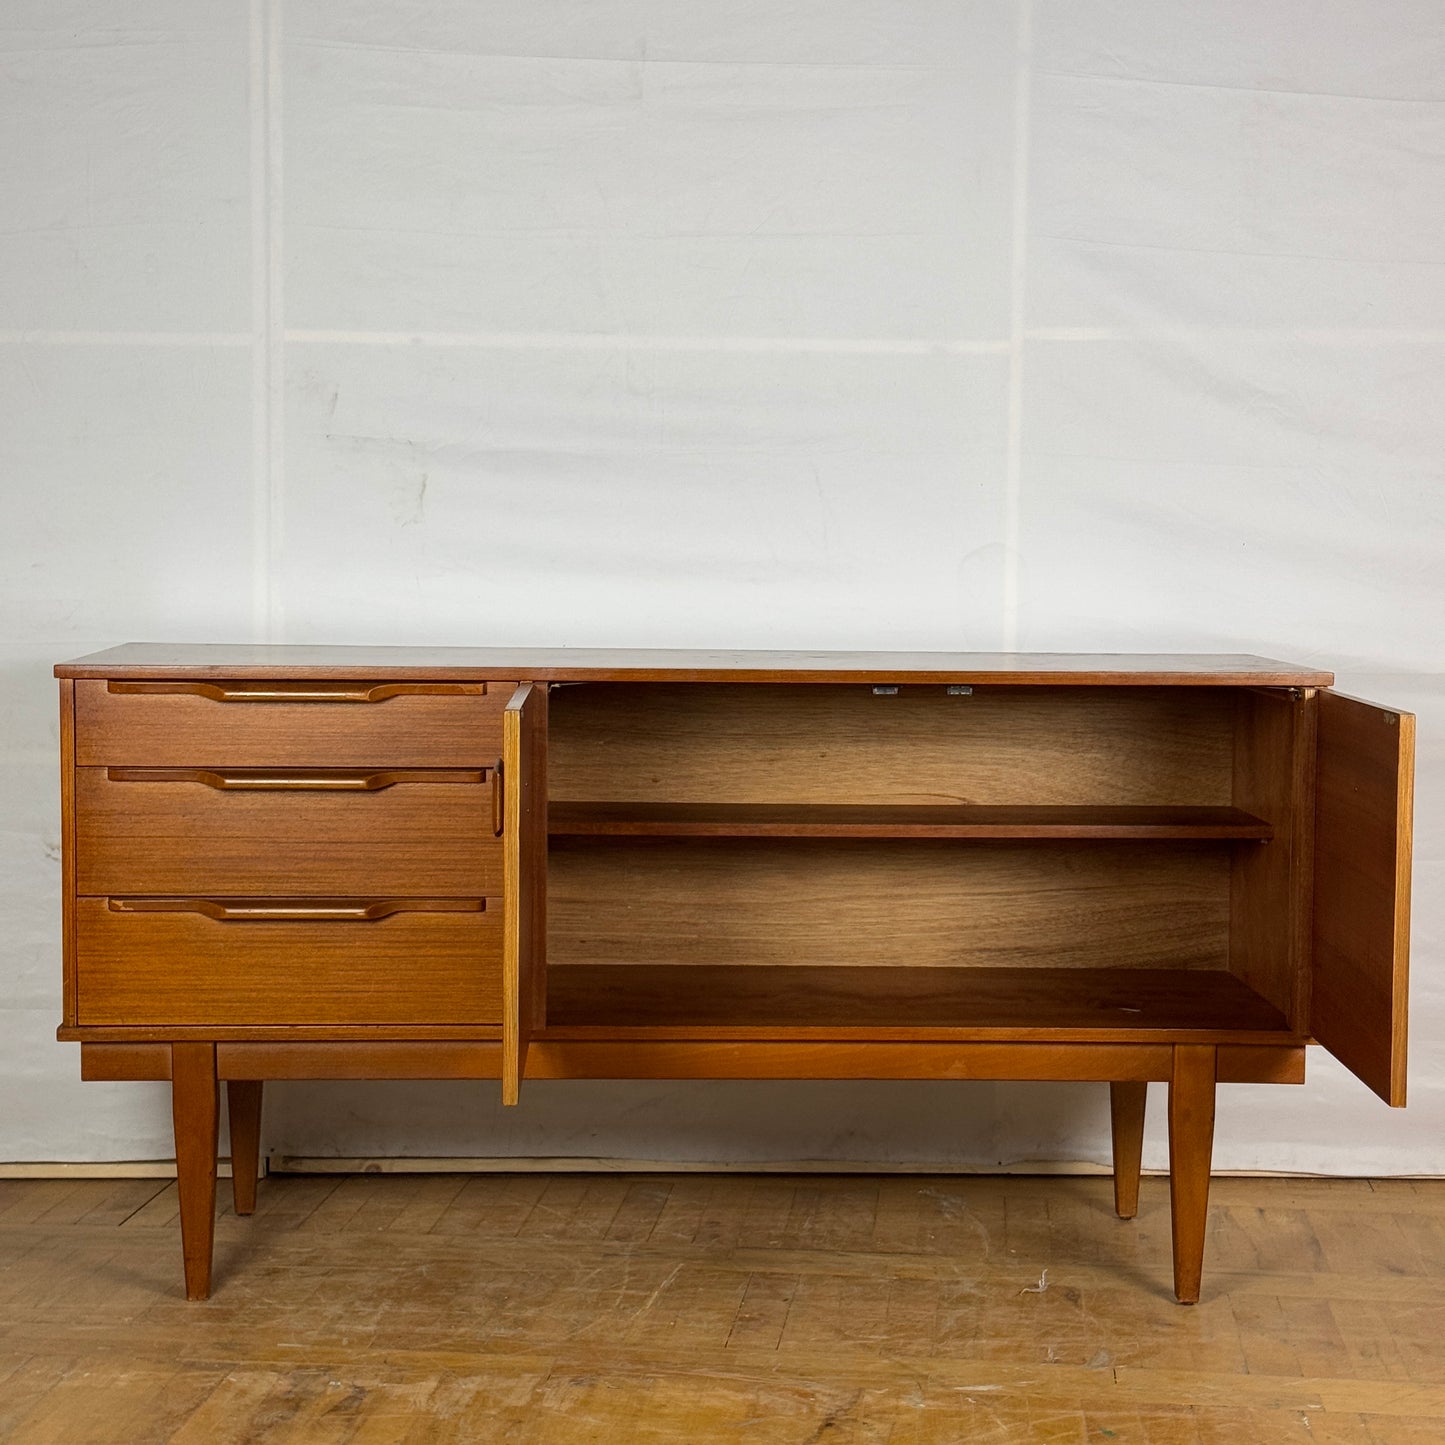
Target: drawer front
{"x": 426, "y": 832}
{"x": 137, "y": 966}
{"x": 190, "y": 723}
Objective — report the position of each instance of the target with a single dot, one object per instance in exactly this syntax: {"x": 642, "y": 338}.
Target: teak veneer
{"x": 297, "y": 862}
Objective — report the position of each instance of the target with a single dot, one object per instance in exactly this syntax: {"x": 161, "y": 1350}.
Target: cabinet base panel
{"x": 896, "y": 1003}
{"x": 1237, "y": 1063}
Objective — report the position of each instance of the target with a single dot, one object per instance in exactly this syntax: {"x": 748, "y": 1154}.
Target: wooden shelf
{"x": 732, "y": 1001}
{"x": 812, "y": 820}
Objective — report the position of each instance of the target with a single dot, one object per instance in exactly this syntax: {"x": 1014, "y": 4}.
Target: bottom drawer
{"x": 149, "y": 962}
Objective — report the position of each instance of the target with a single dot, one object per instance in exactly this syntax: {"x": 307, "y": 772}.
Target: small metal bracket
{"x": 959, "y": 689}
{"x": 885, "y": 690}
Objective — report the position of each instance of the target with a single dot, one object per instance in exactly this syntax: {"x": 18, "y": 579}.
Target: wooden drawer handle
{"x": 328, "y": 780}
{"x": 499, "y": 799}
{"x": 297, "y": 910}
{"x": 301, "y": 691}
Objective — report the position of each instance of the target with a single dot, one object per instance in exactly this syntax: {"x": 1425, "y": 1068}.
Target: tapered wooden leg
{"x": 1191, "y": 1146}
{"x": 243, "y": 1104}
{"x": 1126, "y": 1118}
{"x": 195, "y": 1108}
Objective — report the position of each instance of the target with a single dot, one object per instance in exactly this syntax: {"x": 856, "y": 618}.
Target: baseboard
{"x": 567, "y": 1164}
{"x": 105, "y": 1169}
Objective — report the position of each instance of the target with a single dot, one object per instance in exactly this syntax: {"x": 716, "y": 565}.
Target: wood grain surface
{"x": 891, "y": 1001}
{"x": 1191, "y": 1141}
{"x": 1127, "y": 1102}
{"x": 563, "y": 1309}
{"x": 1050, "y": 904}
{"x": 1360, "y": 999}
{"x": 263, "y": 660}
{"x": 195, "y": 1110}
{"x": 184, "y": 968}
{"x": 425, "y": 837}
{"x": 1100, "y": 747}
{"x": 189, "y": 730}
{"x": 1280, "y": 1062}
{"x": 243, "y": 1115}
{"x": 67, "y": 850}
{"x": 892, "y": 820}
{"x": 1271, "y": 888}
{"x": 524, "y": 958}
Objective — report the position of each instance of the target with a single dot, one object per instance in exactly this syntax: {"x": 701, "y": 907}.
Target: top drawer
{"x": 189, "y": 722}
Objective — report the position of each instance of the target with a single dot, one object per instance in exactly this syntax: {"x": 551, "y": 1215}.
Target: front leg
{"x": 195, "y": 1110}
{"x": 1191, "y": 1148}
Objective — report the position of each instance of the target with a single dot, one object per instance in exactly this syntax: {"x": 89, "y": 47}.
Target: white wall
{"x": 1072, "y": 324}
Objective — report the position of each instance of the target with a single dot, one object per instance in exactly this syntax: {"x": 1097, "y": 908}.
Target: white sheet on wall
{"x": 848, "y": 323}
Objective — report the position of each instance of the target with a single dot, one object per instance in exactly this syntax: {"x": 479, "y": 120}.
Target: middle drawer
{"x": 393, "y": 831}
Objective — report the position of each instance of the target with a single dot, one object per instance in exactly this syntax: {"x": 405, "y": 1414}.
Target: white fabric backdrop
{"x": 1072, "y": 324}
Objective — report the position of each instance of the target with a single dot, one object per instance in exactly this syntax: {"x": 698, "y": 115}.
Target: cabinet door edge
{"x": 1361, "y": 928}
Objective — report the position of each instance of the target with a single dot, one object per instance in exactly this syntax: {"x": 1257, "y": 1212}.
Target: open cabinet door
{"x": 524, "y": 887}
{"x": 1365, "y": 787}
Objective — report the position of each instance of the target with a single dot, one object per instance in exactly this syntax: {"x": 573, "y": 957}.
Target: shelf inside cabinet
{"x": 893, "y": 820}
{"x": 743, "y": 1000}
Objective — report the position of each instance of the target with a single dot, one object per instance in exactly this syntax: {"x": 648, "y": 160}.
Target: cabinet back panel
{"x": 1093, "y": 905}
{"x": 843, "y": 744}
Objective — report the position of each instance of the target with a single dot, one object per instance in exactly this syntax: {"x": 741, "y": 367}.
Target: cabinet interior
{"x": 809, "y": 857}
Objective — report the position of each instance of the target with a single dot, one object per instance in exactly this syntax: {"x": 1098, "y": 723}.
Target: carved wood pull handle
{"x": 301, "y": 691}
{"x": 329, "y": 780}
{"x": 293, "y": 910}
{"x": 499, "y": 800}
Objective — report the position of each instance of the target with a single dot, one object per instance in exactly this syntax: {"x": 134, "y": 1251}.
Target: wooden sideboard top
{"x": 586, "y": 664}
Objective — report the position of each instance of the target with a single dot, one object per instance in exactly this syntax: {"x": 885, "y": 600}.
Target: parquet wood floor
{"x": 813, "y": 1310}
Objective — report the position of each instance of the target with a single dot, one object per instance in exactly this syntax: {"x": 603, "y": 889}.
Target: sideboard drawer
{"x": 328, "y": 832}
{"x": 223, "y": 962}
{"x": 204, "y": 723}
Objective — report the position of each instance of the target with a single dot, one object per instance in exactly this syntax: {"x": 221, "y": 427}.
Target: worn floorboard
{"x": 651, "y": 1308}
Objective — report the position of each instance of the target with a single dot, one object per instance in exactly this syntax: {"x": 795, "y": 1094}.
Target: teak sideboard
{"x": 400, "y": 863}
